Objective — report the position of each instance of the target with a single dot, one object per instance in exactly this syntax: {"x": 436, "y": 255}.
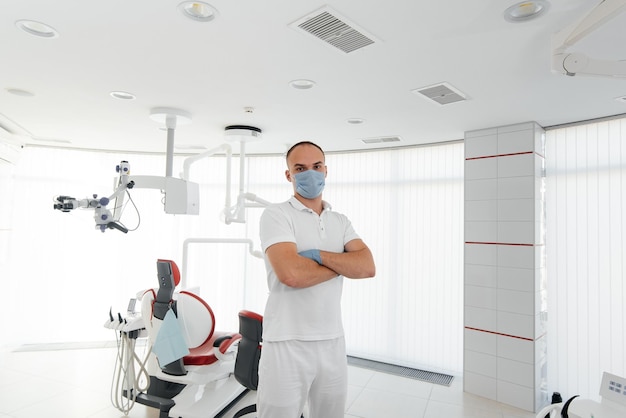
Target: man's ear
{"x": 288, "y": 176}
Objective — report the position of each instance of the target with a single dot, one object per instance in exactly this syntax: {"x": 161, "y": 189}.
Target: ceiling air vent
{"x": 381, "y": 139}
{"x": 442, "y": 93}
{"x": 335, "y": 30}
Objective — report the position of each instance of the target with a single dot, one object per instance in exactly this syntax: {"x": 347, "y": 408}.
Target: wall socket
{"x": 613, "y": 388}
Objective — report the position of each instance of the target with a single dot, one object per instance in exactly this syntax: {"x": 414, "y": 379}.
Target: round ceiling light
{"x": 38, "y": 29}
{"x": 242, "y": 133}
{"x": 122, "y": 95}
{"x": 526, "y": 10}
{"x": 355, "y": 121}
{"x": 198, "y": 11}
{"x": 20, "y": 92}
{"x": 302, "y": 84}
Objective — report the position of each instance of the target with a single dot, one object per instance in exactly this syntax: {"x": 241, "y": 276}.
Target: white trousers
{"x": 294, "y": 372}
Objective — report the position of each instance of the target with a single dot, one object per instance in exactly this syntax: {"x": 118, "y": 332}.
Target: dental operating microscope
{"x": 181, "y": 197}
{"x": 102, "y": 215}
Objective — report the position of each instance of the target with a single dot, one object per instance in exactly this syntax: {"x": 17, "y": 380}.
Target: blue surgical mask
{"x": 310, "y": 183}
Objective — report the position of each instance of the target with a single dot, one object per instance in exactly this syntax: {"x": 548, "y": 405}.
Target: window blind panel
{"x": 586, "y": 203}
{"x": 60, "y": 266}
{"x": 407, "y": 206}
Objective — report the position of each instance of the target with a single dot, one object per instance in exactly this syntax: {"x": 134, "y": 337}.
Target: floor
{"x": 75, "y": 382}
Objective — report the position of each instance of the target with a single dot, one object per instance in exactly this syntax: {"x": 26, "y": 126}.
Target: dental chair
{"x": 201, "y": 384}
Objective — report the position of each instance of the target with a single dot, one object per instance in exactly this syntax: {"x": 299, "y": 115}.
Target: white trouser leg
{"x": 327, "y": 398}
{"x": 290, "y": 372}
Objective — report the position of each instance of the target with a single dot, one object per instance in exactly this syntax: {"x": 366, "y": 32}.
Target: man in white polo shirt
{"x": 308, "y": 250}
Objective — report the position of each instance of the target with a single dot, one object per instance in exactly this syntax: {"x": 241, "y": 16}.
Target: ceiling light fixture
{"x": 302, "y": 84}
{"x": 38, "y": 29}
{"x": 20, "y": 92}
{"x": 381, "y": 139}
{"x": 355, "y": 121}
{"x": 198, "y": 11}
{"x": 242, "y": 133}
{"x": 122, "y": 95}
{"x": 526, "y": 10}
{"x": 170, "y": 117}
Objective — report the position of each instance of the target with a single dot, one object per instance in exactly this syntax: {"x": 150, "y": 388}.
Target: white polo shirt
{"x": 312, "y": 313}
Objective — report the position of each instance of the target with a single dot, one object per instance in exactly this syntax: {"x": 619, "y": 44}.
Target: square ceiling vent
{"x": 442, "y": 93}
{"x": 334, "y": 30}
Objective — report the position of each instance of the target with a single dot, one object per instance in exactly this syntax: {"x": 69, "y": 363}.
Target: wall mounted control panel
{"x": 613, "y": 388}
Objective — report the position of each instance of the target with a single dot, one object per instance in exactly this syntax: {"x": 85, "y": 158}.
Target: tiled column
{"x": 505, "y": 289}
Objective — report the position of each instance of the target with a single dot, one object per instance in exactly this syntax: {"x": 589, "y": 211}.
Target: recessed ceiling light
{"x": 621, "y": 99}
{"x": 38, "y": 29}
{"x": 198, "y": 11}
{"x": 381, "y": 139}
{"x": 122, "y": 95}
{"x": 355, "y": 121}
{"x": 302, "y": 84}
{"x": 20, "y": 92}
{"x": 526, "y": 10}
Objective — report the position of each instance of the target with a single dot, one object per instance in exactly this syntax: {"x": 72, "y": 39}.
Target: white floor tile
{"x": 358, "y": 376}
{"x": 353, "y": 393}
{"x": 401, "y": 385}
{"x": 138, "y": 411}
{"x": 439, "y": 409}
{"x": 378, "y": 404}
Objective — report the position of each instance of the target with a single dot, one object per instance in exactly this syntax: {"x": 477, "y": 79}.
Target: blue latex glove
{"x": 313, "y": 255}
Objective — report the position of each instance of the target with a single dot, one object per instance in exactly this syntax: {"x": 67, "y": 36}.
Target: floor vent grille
{"x": 426, "y": 376}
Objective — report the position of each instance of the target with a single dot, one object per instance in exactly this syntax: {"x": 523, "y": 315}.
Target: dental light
{"x": 575, "y": 63}
{"x": 234, "y": 133}
{"x": 243, "y": 134}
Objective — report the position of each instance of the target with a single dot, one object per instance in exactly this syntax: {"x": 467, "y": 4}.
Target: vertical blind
{"x": 586, "y": 253}
{"x": 407, "y": 205}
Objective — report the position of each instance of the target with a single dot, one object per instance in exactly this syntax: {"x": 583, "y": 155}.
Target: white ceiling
{"x": 249, "y": 53}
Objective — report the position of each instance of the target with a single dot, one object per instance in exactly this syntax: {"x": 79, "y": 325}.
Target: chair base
{"x": 249, "y": 410}
{"x": 245, "y": 411}
{"x": 159, "y": 395}
{"x": 174, "y": 400}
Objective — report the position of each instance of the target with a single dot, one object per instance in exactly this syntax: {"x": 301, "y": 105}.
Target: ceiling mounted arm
{"x": 577, "y": 63}
{"x": 580, "y": 64}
